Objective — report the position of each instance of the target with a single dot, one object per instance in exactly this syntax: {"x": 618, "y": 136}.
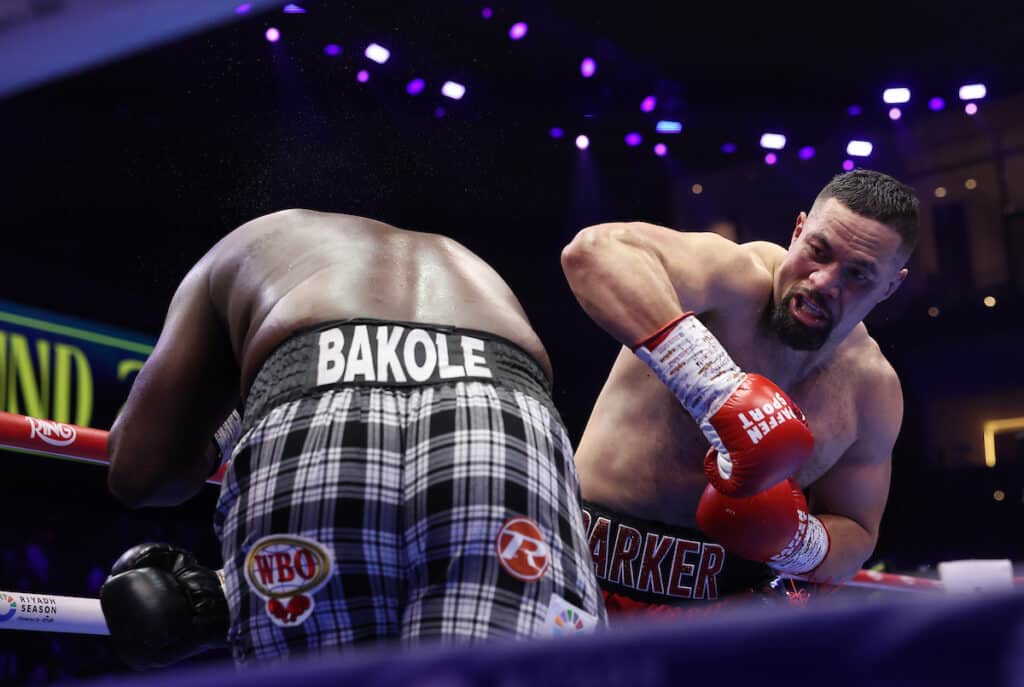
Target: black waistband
{"x": 664, "y": 564}
{"x": 379, "y": 353}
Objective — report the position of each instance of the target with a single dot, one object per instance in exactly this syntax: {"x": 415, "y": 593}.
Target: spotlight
{"x": 773, "y": 142}
{"x": 895, "y": 96}
{"x": 518, "y": 30}
{"x": 377, "y": 53}
{"x": 973, "y": 91}
{"x": 453, "y": 90}
{"x": 859, "y": 148}
{"x": 582, "y": 142}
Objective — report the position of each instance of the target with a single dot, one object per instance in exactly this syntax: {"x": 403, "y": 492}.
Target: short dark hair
{"x": 879, "y": 197}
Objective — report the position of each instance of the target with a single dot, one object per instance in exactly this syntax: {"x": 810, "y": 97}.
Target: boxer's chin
{"x": 792, "y": 331}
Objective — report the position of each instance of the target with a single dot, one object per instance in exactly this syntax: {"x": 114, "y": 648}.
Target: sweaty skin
{"x": 642, "y": 454}
{"x": 260, "y": 283}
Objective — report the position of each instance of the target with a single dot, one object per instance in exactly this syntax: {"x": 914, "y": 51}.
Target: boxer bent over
{"x": 401, "y": 470}
{"x": 697, "y": 452}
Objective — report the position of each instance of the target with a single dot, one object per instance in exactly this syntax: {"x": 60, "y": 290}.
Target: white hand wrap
{"x": 806, "y": 550}
{"x": 227, "y": 435}
{"x": 693, "y": 364}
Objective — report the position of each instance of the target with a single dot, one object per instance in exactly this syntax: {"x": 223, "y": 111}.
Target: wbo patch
{"x": 566, "y": 620}
{"x": 522, "y": 550}
{"x": 286, "y": 570}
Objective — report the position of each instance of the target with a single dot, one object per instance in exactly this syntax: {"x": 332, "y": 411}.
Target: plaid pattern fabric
{"x": 408, "y": 487}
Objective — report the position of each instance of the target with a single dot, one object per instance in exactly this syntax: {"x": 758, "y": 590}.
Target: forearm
{"x": 850, "y": 546}
{"x": 142, "y": 474}
{"x": 620, "y": 281}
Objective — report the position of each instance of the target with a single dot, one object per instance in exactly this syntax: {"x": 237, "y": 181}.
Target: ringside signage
{"x": 65, "y": 369}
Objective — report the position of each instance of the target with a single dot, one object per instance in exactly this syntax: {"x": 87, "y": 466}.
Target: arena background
{"x": 117, "y": 175}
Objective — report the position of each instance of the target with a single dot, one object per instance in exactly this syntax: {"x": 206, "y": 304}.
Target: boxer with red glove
{"x": 773, "y": 527}
{"x": 758, "y": 435}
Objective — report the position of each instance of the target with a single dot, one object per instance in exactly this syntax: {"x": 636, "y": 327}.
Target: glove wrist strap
{"x": 690, "y": 361}
{"x": 808, "y": 548}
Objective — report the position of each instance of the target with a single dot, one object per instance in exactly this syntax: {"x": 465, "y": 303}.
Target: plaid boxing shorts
{"x": 401, "y": 481}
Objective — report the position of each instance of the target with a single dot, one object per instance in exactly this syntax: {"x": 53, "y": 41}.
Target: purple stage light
{"x": 648, "y": 104}
{"x": 273, "y": 35}
{"x": 292, "y": 8}
{"x": 728, "y": 148}
{"x": 806, "y": 153}
{"x": 556, "y": 132}
{"x": 895, "y": 113}
{"x": 847, "y": 165}
{"x": 377, "y": 53}
{"x": 582, "y": 142}
{"x": 362, "y": 76}
{"x": 667, "y": 126}
{"x": 518, "y": 30}
{"x": 634, "y": 139}
{"x": 243, "y": 8}
{"x": 439, "y": 112}
{"x": 971, "y": 109}
{"x": 660, "y": 149}
{"x": 332, "y": 49}
{"x": 771, "y": 159}
{"x": 936, "y": 104}
{"x": 415, "y": 87}
{"x": 854, "y": 110}
{"x": 486, "y": 13}
{"x": 588, "y": 67}
{"x": 453, "y": 90}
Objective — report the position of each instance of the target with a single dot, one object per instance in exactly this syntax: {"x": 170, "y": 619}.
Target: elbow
{"x": 126, "y": 489}
{"x": 123, "y": 482}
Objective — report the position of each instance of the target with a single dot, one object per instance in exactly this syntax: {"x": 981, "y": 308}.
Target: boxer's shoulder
{"x": 873, "y": 382}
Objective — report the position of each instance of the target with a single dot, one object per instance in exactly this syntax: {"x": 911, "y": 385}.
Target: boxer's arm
{"x": 850, "y": 498}
{"x": 160, "y": 445}
{"x": 633, "y": 277}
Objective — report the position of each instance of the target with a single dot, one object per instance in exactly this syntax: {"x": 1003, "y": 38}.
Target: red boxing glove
{"x": 773, "y": 527}
{"x": 759, "y": 437}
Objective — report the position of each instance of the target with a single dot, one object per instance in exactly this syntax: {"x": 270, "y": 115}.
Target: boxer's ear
{"x": 798, "y": 228}
{"x": 894, "y": 284}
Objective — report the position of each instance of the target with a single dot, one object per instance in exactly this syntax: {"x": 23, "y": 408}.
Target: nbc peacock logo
{"x": 8, "y": 605}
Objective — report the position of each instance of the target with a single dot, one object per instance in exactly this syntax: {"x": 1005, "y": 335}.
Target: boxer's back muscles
{"x": 641, "y": 453}
{"x": 259, "y": 284}
{"x": 295, "y": 268}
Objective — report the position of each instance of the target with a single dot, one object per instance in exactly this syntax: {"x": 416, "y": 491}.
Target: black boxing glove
{"x": 162, "y": 606}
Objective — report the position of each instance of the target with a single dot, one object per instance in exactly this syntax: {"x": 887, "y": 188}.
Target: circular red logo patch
{"x": 522, "y": 550}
